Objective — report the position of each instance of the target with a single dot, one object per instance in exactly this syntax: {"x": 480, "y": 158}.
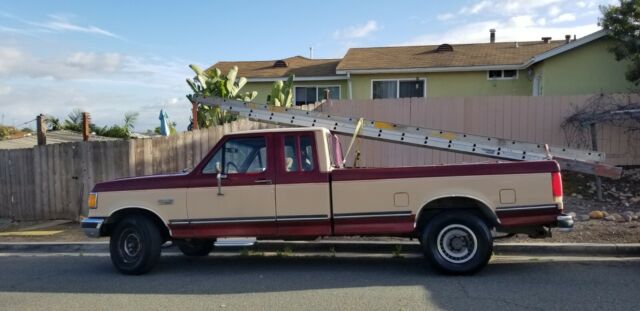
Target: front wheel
{"x": 457, "y": 242}
{"x": 135, "y": 245}
{"x": 195, "y": 248}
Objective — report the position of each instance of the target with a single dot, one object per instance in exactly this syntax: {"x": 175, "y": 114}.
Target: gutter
{"x": 296, "y": 78}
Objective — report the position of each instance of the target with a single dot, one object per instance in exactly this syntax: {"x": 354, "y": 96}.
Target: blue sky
{"x": 110, "y": 57}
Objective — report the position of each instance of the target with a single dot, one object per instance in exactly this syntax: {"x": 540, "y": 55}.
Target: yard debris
{"x": 596, "y": 215}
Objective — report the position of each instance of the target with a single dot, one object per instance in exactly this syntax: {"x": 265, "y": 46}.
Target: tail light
{"x": 556, "y": 184}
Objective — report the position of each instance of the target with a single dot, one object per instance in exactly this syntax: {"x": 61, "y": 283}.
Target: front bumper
{"x": 564, "y": 222}
{"x": 91, "y": 226}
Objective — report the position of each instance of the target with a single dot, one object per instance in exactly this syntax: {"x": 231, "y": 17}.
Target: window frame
{"x": 221, "y": 147}
{"x": 314, "y": 153}
{"x": 317, "y": 87}
{"x": 424, "y": 91}
{"x": 502, "y": 74}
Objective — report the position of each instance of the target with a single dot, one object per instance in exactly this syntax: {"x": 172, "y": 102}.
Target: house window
{"x": 398, "y": 88}
{"x": 311, "y": 94}
{"x": 502, "y": 74}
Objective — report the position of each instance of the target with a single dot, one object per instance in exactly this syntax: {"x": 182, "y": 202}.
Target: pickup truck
{"x": 289, "y": 183}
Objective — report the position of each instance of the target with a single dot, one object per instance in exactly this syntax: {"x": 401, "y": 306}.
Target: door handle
{"x": 263, "y": 181}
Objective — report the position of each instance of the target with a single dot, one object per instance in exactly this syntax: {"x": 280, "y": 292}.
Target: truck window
{"x": 290, "y": 154}
{"x": 240, "y": 156}
{"x": 298, "y": 153}
{"x": 306, "y": 153}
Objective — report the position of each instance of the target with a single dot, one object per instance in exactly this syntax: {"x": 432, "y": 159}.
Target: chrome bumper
{"x": 91, "y": 226}
{"x": 565, "y": 222}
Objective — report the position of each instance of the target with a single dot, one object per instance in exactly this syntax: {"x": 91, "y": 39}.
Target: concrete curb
{"x": 364, "y": 247}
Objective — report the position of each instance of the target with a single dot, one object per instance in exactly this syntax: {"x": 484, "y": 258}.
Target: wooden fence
{"x": 53, "y": 181}
{"x": 48, "y": 182}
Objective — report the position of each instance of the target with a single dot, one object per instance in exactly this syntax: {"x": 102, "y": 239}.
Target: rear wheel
{"x": 135, "y": 245}
{"x": 195, "y": 248}
{"x": 457, "y": 242}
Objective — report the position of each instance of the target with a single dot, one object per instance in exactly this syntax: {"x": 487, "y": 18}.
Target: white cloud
{"x": 521, "y": 21}
{"x": 506, "y": 31}
{"x": 105, "y": 84}
{"x": 541, "y": 21}
{"x": 444, "y": 17}
{"x": 581, "y": 4}
{"x": 357, "y": 31}
{"x": 5, "y": 89}
{"x": 475, "y": 8}
{"x": 554, "y": 11}
{"x": 55, "y": 24}
{"x": 506, "y": 7}
{"x": 106, "y": 62}
{"x": 566, "y": 17}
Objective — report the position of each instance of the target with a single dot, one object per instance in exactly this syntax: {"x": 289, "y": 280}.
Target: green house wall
{"x": 588, "y": 69}
{"x": 471, "y": 83}
{"x": 264, "y": 88}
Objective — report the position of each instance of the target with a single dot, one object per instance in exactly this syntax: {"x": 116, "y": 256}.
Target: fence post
{"x": 85, "y": 126}
{"x": 594, "y": 146}
{"x": 41, "y": 130}
{"x": 194, "y": 115}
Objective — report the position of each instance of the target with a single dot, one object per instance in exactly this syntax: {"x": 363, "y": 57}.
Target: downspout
{"x": 349, "y": 85}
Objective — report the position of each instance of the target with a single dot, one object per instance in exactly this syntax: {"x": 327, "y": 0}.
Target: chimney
{"x": 492, "y": 35}
{"x": 546, "y": 39}
{"x": 41, "y": 130}
{"x": 85, "y": 126}
{"x": 311, "y": 52}
{"x": 567, "y": 38}
{"x": 574, "y": 37}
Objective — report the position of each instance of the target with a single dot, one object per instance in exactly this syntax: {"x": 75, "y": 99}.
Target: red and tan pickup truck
{"x": 290, "y": 184}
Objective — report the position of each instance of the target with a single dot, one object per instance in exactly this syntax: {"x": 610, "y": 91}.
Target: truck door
{"x": 244, "y": 205}
{"x": 302, "y": 190}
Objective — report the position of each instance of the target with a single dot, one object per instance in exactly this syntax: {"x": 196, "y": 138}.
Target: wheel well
{"x": 437, "y": 206}
{"x": 115, "y": 218}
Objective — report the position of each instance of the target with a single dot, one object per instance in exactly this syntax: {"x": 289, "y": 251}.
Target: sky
{"x": 112, "y": 57}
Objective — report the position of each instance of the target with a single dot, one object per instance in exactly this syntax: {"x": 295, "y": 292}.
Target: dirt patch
{"x": 71, "y": 232}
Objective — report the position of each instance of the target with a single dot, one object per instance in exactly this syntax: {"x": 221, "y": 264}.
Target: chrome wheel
{"x": 457, "y": 243}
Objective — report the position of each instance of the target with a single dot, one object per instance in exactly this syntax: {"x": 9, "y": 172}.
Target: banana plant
{"x": 282, "y": 93}
{"x": 213, "y": 83}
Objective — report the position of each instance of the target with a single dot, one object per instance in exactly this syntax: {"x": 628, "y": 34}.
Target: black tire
{"x": 458, "y": 243}
{"x": 135, "y": 245}
{"x": 195, "y": 248}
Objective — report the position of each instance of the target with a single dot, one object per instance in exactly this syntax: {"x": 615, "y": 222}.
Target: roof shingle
{"x": 425, "y": 56}
{"x": 297, "y": 65}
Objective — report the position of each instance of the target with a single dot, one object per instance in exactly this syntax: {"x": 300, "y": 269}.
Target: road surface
{"x": 89, "y": 282}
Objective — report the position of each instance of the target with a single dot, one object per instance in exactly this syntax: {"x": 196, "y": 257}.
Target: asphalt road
{"x": 56, "y": 282}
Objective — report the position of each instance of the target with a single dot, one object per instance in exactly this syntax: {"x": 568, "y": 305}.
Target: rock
{"x": 616, "y": 217}
{"x": 574, "y": 194}
{"x": 579, "y": 196}
{"x": 635, "y": 199}
{"x": 626, "y": 218}
{"x": 596, "y": 215}
{"x": 609, "y": 218}
{"x": 605, "y": 213}
{"x": 583, "y": 217}
{"x": 572, "y": 214}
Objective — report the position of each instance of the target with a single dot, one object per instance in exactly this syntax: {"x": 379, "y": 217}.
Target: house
{"x": 545, "y": 67}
